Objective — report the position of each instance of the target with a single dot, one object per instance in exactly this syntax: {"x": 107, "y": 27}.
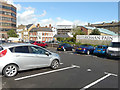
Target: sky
{"x": 58, "y": 13}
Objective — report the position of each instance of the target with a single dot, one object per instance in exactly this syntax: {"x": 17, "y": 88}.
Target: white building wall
{"x": 41, "y": 37}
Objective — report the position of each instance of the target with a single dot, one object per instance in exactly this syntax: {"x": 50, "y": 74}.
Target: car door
{"x": 24, "y": 58}
{"x": 41, "y": 58}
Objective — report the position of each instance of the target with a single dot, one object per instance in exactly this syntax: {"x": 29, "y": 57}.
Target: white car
{"x": 17, "y": 57}
{"x": 114, "y": 48}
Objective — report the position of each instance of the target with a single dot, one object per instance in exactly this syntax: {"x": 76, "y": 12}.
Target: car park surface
{"x": 76, "y": 71}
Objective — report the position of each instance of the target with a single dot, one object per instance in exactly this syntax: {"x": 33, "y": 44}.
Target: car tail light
{"x": 84, "y": 48}
{"x": 3, "y": 53}
{"x": 61, "y": 46}
{"x": 103, "y": 49}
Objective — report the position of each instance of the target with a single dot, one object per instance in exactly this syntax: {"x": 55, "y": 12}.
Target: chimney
{"x": 46, "y": 26}
{"x": 88, "y": 24}
{"x": 50, "y": 26}
{"x": 38, "y": 25}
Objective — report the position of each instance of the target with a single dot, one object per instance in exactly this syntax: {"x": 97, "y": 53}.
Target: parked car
{"x": 87, "y": 49}
{"x": 38, "y": 43}
{"x": 65, "y": 47}
{"x": 18, "y": 57}
{"x": 100, "y": 50}
{"x": 114, "y": 48}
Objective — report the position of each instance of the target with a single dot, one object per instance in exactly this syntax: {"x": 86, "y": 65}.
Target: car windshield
{"x": 115, "y": 44}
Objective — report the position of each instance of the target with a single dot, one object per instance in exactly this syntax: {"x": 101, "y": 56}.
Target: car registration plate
{"x": 98, "y": 50}
{"x": 59, "y": 48}
{"x": 80, "y": 48}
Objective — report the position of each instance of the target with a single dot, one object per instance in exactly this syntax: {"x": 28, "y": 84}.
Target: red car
{"x": 39, "y": 43}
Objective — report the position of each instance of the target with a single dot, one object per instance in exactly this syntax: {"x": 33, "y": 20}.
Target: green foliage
{"x": 12, "y": 33}
{"x": 95, "y": 32}
{"x": 60, "y": 39}
{"x": 77, "y": 31}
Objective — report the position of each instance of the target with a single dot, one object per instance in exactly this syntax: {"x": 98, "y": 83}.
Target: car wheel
{"x": 54, "y": 64}
{"x": 73, "y": 50}
{"x": 88, "y": 52}
{"x": 10, "y": 70}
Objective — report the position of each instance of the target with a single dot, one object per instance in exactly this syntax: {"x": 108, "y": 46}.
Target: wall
{"x": 94, "y": 39}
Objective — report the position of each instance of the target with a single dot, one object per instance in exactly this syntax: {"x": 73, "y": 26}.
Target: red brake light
{"x": 84, "y": 48}
{"x": 103, "y": 49}
{"x": 61, "y": 46}
{"x": 3, "y": 53}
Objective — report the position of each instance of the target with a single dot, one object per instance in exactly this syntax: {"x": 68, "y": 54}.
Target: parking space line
{"x": 97, "y": 81}
{"x": 61, "y": 63}
{"x": 39, "y": 74}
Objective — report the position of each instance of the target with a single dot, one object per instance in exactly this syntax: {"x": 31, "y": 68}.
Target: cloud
{"x": 60, "y": 21}
{"x": 43, "y": 14}
{"x": 28, "y": 16}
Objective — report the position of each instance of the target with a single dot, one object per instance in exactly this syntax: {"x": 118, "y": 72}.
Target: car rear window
{"x": 101, "y": 47}
{"x": 1, "y": 48}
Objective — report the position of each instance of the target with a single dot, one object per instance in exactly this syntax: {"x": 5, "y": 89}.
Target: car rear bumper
{"x": 80, "y": 51}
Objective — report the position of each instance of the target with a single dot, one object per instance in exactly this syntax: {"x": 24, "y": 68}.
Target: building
{"x": 64, "y": 29}
{"x": 41, "y": 34}
{"x": 23, "y": 31}
{"x": 7, "y": 18}
{"x": 88, "y": 30}
{"x": 113, "y": 26}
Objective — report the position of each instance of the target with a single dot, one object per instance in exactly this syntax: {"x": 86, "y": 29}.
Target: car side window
{"x": 37, "y": 50}
{"x": 21, "y": 49}
{"x": 11, "y": 49}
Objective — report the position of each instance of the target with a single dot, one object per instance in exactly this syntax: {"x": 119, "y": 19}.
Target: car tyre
{"x": 55, "y": 64}
{"x": 10, "y": 70}
{"x": 88, "y": 52}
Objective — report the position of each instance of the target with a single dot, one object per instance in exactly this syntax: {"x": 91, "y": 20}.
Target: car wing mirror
{"x": 47, "y": 53}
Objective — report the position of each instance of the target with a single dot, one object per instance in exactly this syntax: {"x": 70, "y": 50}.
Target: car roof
{"x": 8, "y": 45}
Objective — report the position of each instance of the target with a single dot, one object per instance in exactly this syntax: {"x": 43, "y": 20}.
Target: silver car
{"x": 18, "y": 57}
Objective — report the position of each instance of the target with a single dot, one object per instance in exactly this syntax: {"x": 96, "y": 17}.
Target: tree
{"x": 95, "y": 32}
{"x": 12, "y": 33}
{"x": 76, "y": 31}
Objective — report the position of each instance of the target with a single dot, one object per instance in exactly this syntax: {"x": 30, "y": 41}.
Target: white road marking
{"x": 39, "y": 74}
{"x": 97, "y": 81}
{"x": 0, "y": 76}
{"x": 61, "y": 63}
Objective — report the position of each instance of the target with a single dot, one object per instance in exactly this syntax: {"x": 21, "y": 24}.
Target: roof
{"x": 41, "y": 29}
{"x": 102, "y": 30}
{"x": 62, "y": 35}
{"x": 28, "y": 26}
{"x": 21, "y": 26}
